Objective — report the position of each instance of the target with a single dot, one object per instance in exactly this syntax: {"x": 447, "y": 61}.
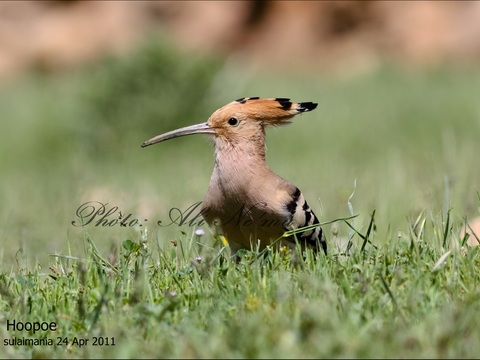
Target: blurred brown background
{"x": 52, "y": 35}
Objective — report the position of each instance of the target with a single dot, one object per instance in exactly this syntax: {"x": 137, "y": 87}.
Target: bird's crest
{"x": 272, "y": 111}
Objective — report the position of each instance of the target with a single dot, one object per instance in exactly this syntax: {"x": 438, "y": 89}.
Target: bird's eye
{"x": 233, "y": 121}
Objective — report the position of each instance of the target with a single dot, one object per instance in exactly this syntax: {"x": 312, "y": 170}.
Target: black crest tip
{"x": 306, "y": 106}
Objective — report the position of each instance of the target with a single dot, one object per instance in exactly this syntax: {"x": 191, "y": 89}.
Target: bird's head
{"x": 241, "y": 120}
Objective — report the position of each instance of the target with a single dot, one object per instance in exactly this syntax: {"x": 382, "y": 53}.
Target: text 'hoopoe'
{"x": 246, "y": 201}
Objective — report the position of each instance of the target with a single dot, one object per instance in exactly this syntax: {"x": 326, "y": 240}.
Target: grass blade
{"x": 440, "y": 261}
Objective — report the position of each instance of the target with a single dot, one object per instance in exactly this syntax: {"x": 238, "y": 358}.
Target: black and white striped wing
{"x": 301, "y": 216}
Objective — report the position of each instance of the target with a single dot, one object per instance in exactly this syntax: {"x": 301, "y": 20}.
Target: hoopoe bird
{"x": 246, "y": 202}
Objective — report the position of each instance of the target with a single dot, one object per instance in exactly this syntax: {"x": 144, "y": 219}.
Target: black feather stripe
{"x": 292, "y": 205}
{"x": 245, "y": 99}
{"x": 308, "y": 216}
{"x": 305, "y": 206}
{"x": 285, "y": 103}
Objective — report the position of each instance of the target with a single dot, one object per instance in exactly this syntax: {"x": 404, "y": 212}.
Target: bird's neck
{"x": 241, "y": 155}
{"x": 239, "y": 166}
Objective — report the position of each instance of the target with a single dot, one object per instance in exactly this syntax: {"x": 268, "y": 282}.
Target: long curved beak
{"x": 202, "y": 128}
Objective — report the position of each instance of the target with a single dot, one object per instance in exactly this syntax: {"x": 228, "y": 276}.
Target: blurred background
{"x": 83, "y": 84}
{"x": 56, "y": 35}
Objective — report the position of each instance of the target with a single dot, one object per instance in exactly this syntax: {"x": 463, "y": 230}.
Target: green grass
{"x": 408, "y": 139}
{"x": 189, "y": 300}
